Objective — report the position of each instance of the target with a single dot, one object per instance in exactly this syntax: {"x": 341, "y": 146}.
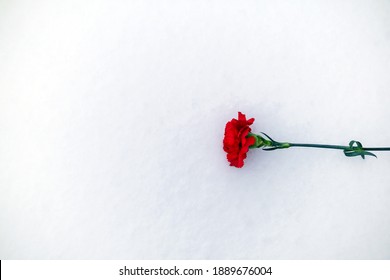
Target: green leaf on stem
{"x": 356, "y": 149}
{"x": 358, "y": 144}
{"x": 369, "y": 154}
{"x": 269, "y": 138}
{"x": 270, "y": 149}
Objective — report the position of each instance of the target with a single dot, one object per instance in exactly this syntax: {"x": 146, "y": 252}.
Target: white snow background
{"x": 112, "y": 115}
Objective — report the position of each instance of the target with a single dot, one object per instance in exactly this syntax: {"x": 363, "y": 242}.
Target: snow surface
{"x": 112, "y": 115}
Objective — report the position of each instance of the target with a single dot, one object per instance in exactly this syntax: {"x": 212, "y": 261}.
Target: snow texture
{"x": 112, "y": 115}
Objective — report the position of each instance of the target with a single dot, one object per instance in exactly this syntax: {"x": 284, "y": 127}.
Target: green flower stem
{"x": 337, "y": 147}
{"x": 378, "y": 149}
{"x": 355, "y": 148}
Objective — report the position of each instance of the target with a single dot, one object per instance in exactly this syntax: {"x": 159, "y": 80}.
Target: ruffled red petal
{"x": 236, "y": 143}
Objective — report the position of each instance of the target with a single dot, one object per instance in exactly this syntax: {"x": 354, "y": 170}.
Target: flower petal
{"x": 236, "y": 143}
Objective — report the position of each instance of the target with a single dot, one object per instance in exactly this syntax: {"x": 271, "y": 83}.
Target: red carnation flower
{"x": 236, "y": 143}
{"x": 239, "y": 139}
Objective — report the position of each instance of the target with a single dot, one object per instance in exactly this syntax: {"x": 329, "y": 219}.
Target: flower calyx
{"x": 266, "y": 142}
